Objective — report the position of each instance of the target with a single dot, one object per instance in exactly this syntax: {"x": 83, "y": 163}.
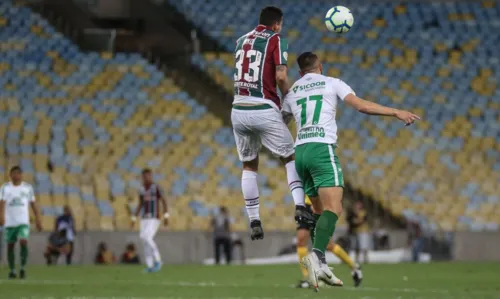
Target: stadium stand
{"x": 438, "y": 59}
{"x": 83, "y": 125}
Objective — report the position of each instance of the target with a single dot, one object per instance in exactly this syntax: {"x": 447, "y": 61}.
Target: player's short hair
{"x": 270, "y": 15}
{"x": 146, "y": 171}
{"x": 307, "y": 61}
{"x": 15, "y": 168}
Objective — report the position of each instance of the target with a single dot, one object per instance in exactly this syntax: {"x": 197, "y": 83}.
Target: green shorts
{"x": 318, "y": 166}
{"x": 12, "y": 234}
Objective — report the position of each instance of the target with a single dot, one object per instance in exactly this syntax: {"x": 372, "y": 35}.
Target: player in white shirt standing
{"x": 15, "y": 198}
{"x": 312, "y": 101}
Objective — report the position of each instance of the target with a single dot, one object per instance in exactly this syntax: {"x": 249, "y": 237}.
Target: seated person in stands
{"x": 130, "y": 255}
{"x": 58, "y": 244}
{"x": 103, "y": 255}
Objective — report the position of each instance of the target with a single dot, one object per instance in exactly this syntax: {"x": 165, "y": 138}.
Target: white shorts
{"x": 148, "y": 228}
{"x": 254, "y": 128}
{"x": 361, "y": 241}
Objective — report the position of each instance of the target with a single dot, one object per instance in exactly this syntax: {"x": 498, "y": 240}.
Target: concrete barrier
{"x": 194, "y": 247}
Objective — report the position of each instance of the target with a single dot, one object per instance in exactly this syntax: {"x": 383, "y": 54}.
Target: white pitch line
{"x": 207, "y": 284}
{"x": 132, "y": 297}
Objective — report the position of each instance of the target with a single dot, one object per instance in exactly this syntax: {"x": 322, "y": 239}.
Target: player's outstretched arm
{"x": 282, "y": 79}
{"x": 36, "y": 212}
{"x": 371, "y": 108}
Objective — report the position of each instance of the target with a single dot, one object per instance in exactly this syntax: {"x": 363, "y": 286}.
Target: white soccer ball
{"x": 339, "y": 19}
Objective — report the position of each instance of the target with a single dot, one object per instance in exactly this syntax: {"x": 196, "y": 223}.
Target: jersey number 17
{"x": 317, "y": 109}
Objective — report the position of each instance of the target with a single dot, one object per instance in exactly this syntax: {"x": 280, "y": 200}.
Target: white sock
{"x": 155, "y": 252}
{"x": 148, "y": 255}
{"x": 295, "y": 184}
{"x": 250, "y": 191}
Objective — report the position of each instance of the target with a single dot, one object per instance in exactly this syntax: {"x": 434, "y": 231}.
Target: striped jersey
{"x": 257, "y": 54}
{"x": 150, "y": 197}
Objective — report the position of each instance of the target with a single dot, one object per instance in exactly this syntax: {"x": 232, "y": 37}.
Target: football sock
{"x": 313, "y": 230}
{"x": 250, "y": 191}
{"x": 342, "y": 255}
{"x": 148, "y": 255}
{"x": 155, "y": 251}
{"x": 324, "y": 231}
{"x": 295, "y": 184}
{"x": 24, "y": 255}
{"x": 11, "y": 257}
{"x": 301, "y": 253}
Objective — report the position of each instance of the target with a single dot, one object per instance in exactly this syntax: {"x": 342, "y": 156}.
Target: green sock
{"x": 24, "y": 255}
{"x": 324, "y": 230}
{"x": 11, "y": 257}
{"x": 313, "y": 230}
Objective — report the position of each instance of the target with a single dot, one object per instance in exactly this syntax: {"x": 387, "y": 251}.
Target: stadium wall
{"x": 195, "y": 247}
{"x": 480, "y": 246}
{"x": 176, "y": 247}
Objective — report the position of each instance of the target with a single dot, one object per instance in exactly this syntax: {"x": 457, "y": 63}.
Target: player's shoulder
{"x": 277, "y": 37}
{"x": 26, "y": 185}
{"x": 242, "y": 37}
{"x": 337, "y": 80}
{"x": 331, "y": 79}
{"x": 6, "y": 185}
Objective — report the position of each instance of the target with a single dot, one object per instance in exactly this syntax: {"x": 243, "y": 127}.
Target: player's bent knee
{"x": 251, "y": 165}
{"x": 331, "y": 198}
{"x": 302, "y": 237}
{"x": 23, "y": 242}
{"x": 316, "y": 205}
{"x": 288, "y": 159}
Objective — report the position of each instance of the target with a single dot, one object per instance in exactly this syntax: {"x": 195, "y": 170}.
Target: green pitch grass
{"x": 438, "y": 280}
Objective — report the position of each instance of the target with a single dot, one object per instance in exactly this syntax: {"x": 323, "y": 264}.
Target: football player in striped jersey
{"x": 151, "y": 196}
{"x": 261, "y": 65}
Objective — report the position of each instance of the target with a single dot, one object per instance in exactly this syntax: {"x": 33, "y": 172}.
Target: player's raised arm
{"x": 280, "y": 58}
{"x": 371, "y": 108}
{"x": 282, "y": 79}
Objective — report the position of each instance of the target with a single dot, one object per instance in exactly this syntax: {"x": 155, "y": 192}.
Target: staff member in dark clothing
{"x": 359, "y": 229}
{"x": 58, "y": 244}
{"x": 415, "y": 239}
{"x": 65, "y": 222}
{"x": 221, "y": 224}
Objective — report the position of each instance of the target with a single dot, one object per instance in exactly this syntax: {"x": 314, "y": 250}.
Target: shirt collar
{"x": 263, "y": 27}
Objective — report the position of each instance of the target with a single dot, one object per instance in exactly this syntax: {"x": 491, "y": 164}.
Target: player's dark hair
{"x": 270, "y": 15}
{"x": 15, "y": 168}
{"x": 307, "y": 61}
{"x": 146, "y": 170}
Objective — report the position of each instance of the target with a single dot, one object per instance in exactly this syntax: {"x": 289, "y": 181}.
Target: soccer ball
{"x": 339, "y": 19}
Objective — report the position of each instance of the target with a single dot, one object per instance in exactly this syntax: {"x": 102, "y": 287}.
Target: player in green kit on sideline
{"x": 15, "y": 198}
{"x": 312, "y": 101}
